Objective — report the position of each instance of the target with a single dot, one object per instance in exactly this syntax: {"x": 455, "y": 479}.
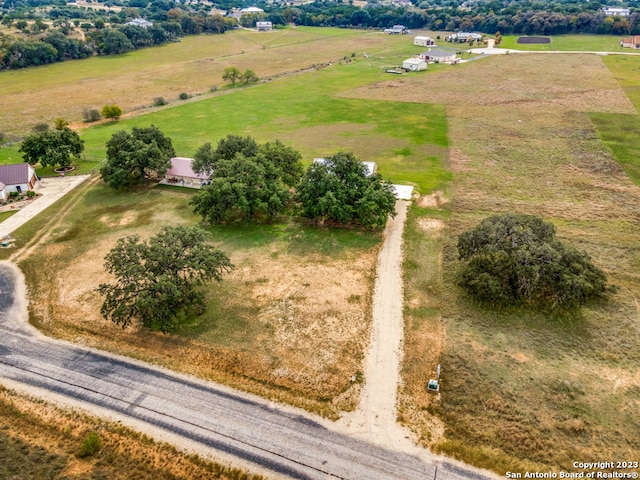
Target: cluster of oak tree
{"x": 157, "y": 281}
{"x": 256, "y": 182}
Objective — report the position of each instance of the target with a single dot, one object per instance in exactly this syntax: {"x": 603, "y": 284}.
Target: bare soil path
{"x": 375, "y": 418}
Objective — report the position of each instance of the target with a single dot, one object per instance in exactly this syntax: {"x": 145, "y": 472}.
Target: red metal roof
{"x": 14, "y": 174}
{"x": 181, "y": 167}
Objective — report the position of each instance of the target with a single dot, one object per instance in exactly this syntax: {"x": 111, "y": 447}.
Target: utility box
{"x": 433, "y": 386}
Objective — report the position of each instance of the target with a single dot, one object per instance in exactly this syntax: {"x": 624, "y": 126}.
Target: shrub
{"x": 184, "y": 96}
{"x": 90, "y": 445}
{"x": 40, "y": 127}
{"x": 159, "y": 101}
{"x": 14, "y": 194}
{"x": 31, "y": 194}
{"x": 112, "y": 111}
{"x": 91, "y": 115}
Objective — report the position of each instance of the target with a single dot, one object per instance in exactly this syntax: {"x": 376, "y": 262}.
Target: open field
{"x": 521, "y": 391}
{"x": 193, "y": 65}
{"x": 40, "y": 441}
{"x": 579, "y": 43}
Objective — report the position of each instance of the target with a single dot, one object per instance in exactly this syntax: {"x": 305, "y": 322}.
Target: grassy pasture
{"x": 292, "y": 281}
{"x": 522, "y": 391}
{"x": 578, "y": 43}
{"x": 193, "y": 65}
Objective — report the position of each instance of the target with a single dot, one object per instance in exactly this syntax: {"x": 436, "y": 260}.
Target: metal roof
{"x": 14, "y": 174}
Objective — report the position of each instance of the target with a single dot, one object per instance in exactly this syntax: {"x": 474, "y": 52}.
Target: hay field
{"x": 193, "y": 65}
{"x": 521, "y": 391}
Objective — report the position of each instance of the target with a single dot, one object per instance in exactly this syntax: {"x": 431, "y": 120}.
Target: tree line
{"x": 527, "y": 18}
{"x": 44, "y": 45}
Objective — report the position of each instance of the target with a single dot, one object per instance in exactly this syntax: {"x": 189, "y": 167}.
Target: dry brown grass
{"x": 288, "y": 325}
{"x": 522, "y": 391}
{"x": 40, "y": 440}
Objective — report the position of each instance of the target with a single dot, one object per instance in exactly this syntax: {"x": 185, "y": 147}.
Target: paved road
{"x": 244, "y": 427}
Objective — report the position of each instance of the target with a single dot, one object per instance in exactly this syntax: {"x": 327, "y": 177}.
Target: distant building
{"x": 464, "y": 37}
{"x": 396, "y": 30}
{"x": 616, "y": 11}
{"x": 414, "y": 64}
{"x": 631, "y": 42}
{"x": 264, "y": 26}
{"x": 140, "y": 22}
{"x": 251, "y": 10}
{"x": 424, "y": 41}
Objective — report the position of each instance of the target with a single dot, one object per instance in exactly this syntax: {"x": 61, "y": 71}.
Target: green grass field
{"x": 5, "y": 215}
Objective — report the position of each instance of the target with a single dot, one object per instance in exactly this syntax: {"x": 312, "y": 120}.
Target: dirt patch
{"x": 533, "y": 40}
{"x": 433, "y": 200}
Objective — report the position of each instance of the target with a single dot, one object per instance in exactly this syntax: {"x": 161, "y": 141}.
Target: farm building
{"x": 264, "y": 26}
{"x": 396, "y": 30}
{"x": 631, "y": 42}
{"x": 436, "y": 55}
{"x": 424, "y": 41}
{"x": 370, "y": 167}
{"x": 414, "y": 64}
{"x": 181, "y": 173}
{"x": 19, "y": 178}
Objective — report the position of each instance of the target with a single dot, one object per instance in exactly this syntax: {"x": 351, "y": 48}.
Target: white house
{"x": 140, "y": 22}
{"x": 20, "y": 177}
{"x": 181, "y": 174}
{"x": 370, "y": 167}
{"x": 616, "y": 11}
{"x": 463, "y": 37}
{"x": 436, "y": 55}
{"x": 264, "y": 26}
{"x": 414, "y": 64}
{"x": 424, "y": 41}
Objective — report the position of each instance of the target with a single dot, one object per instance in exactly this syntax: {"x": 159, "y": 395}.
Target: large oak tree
{"x": 156, "y": 281}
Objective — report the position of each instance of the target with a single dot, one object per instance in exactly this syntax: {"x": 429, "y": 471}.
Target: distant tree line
{"x": 522, "y": 17}
{"x": 43, "y": 44}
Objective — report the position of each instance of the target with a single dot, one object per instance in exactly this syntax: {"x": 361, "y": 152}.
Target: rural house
{"x": 424, "y": 41}
{"x": 20, "y": 178}
{"x": 631, "y": 42}
{"x": 436, "y": 55}
{"x": 181, "y": 173}
{"x": 370, "y": 167}
{"x": 463, "y": 37}
{"x": 264, "y": 26}
{"x": 414, "y": 64}
{"x": 140, "y": 22}
{"x": 616, "y": 11}
{"x": 396, "y": 30}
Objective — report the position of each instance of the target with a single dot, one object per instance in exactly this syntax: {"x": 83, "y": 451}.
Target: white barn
{"x": 424, "y": 41}
{"x": 414, "y": 64}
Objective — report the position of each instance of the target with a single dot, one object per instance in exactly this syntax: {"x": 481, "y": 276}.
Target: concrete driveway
{"x": 51, "y": 190}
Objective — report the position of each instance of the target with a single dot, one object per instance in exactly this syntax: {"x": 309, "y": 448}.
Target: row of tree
{"x": 525, "y": 19}
{"x": 55, "y": 46}
{"x": 256, "y": 182}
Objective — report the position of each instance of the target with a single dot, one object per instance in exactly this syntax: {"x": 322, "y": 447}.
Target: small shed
{"x": 424, "y": 41}
{"x": 414, "y": 64}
